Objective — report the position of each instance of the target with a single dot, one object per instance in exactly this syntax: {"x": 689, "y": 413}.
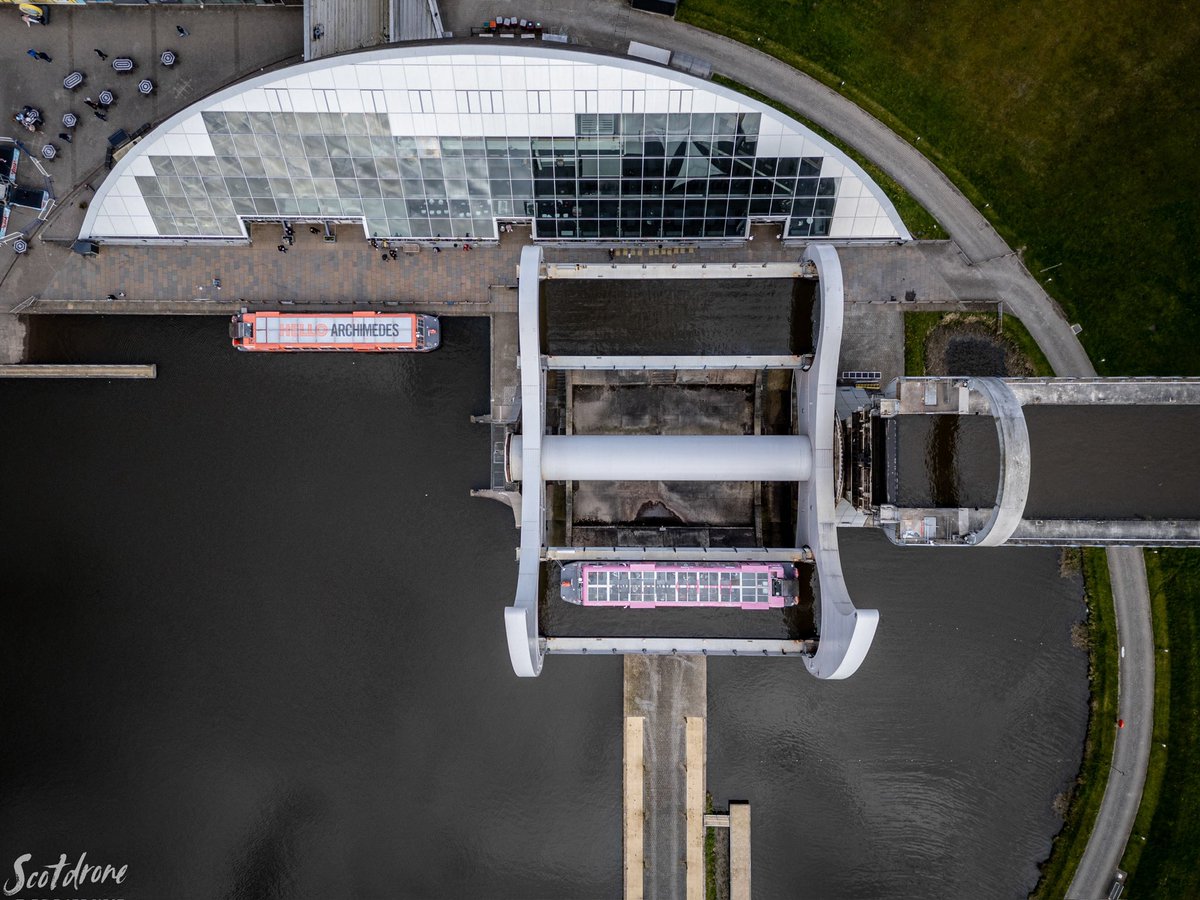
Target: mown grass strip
{"x": 1163, "y": 856}
{"x": 1015, "y": 331}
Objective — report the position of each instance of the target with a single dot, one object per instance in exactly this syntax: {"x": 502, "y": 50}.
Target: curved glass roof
{"x": 444, "y": 140}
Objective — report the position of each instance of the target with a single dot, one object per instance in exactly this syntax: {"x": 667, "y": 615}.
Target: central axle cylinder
{"x": 692, "y": 457}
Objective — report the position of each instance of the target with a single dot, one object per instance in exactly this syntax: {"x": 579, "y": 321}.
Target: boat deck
{"x": 650, "y": 585}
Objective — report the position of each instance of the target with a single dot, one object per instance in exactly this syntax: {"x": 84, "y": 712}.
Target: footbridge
{"x": 870, "y": 456}
{"x": 535, "y": 460}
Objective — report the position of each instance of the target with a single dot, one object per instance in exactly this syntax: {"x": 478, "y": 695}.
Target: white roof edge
{"x": 476, "y": 48}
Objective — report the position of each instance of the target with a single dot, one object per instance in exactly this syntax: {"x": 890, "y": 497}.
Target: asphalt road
{"x": 1127, "y": 568}
{"x": 995, "y": 271}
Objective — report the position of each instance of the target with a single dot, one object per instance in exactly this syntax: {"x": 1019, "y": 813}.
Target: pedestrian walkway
{"x": 315, "y": 272}
{"x": 340, "y": 25}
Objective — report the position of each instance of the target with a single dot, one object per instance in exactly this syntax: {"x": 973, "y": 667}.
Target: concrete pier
{"x": 739, "y": 851}
{"x": 668, "y": 697}
{"x": 78, "y": 371}
{"x": 1107, "y": 533}
{"x": 12, "y": 339}
{"x": 635, "y": 807}
{"x": 696, "y": 761}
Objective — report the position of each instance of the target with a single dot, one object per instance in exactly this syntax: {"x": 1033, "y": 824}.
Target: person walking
{"x": 99, "y": 115}
{"x": 91, "y": 103}
{"x": 100, "y": 53}
{"x": 181, "y": 31}
{"x": 38, "y": 54}
{"x": 64, "y": 136}
{"x": 281, "y": 248}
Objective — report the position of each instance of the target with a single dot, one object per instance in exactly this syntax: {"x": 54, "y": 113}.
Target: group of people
{"x": 390, "y": 251}
{"x": 30, "y": 118}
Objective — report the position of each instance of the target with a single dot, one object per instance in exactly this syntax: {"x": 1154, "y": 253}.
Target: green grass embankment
{"x": 1084, "y": 802}
{"x": 1070, "y": 125}
{"x": 1163, "y": 855}
{"x": 920, "y": 223}
{"x": 917, "y": 326}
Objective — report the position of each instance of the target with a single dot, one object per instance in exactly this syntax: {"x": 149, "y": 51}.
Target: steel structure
{"x": 806, "y": 458}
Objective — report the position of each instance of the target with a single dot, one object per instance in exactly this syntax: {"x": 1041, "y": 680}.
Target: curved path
{"x": 612, "y": 24}
{"x": 1131, "y": 754}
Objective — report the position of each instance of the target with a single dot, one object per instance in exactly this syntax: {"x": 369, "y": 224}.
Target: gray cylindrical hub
{"x": 698, "y": 457}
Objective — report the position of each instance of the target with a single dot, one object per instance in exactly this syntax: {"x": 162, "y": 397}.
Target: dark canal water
{"x": 724, "y": 316}
{"x": 1120, "y": 462}
{"x": 1128, "y": 462}
{"x": 946, "y": 460}
{"x": 253, "y": 648}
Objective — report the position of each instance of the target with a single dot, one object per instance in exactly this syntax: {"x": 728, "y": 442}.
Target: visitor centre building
{"x": 445, "y": 140}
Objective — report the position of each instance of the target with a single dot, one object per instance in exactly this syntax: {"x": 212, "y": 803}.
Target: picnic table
{"x": 122, "y": 64}
{"x": 167, "y": 58}
{"x": 145, "y": 86}
{"x": 72, "y": 81}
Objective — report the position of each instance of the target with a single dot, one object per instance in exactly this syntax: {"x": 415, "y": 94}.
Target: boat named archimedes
{"x": 364, "y": 331}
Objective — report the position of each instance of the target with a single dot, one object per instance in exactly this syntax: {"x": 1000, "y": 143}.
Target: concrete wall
{"x": 1013, "y": 489}
{"x": 845, "y": 632}
{"x": 521, "y": 619}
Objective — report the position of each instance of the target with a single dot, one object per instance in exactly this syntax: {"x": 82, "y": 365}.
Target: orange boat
{"x": 364, "y": 332}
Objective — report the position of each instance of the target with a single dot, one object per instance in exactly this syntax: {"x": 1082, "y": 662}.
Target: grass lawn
{"x": 917, "y": 326}
{"x": 1075, "y": 121}
{"x": 1163, "y": 857}
{"x": 1085, "y": 800}
{"x": 921, "y": 224}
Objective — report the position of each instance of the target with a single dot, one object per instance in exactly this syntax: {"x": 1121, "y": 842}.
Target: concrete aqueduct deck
{"x": 1006, "y": 523}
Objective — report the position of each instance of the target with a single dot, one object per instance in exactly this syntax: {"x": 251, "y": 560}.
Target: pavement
{"x": 1131, "y": 752}
{"x": 665, "y": 691}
